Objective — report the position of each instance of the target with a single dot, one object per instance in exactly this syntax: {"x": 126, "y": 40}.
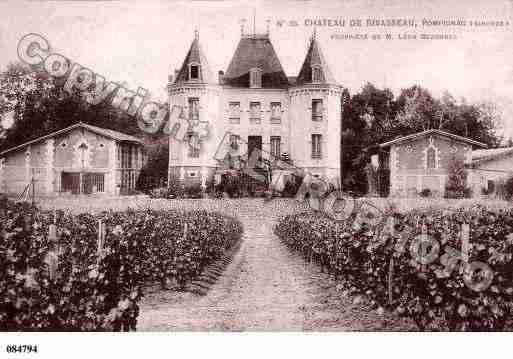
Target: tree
{"x": 456, "y": 186}
{"x": 418, "y": 110}
{"x": 154, "y": 173}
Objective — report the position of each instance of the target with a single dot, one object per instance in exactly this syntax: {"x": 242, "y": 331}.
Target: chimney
{"x": 221, "y": 77}
{"x": 176, "y": 73}
{"x": 170, "y": 79}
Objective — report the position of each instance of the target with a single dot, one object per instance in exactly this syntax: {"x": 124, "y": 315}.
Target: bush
{"x": 508, "y": 188}
{"x": 162, "y": 192}
{"x": 154, "y": 173}
{"x": 292, "y": 186}
{"x": 140, "y": 247}
{"x": 360, "y": 256}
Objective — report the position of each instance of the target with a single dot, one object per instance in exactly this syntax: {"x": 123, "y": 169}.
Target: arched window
{"x": 431, "y": 157}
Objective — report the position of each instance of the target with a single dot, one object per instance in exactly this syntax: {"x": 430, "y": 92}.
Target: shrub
{"x": 360, "y": 256}
{"x": 292, "y": 186}
{"x": 426, "y": 192}
{"x": 508, "y": 188}
{"x": 154, "y": 173}
{"x": 456, "y": 186}
{"x": 193, "y": 191}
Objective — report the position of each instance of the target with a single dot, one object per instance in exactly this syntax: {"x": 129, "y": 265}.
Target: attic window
{"x": 63, "y": 144}
{"x": 255, "y": 78}
{"x": 194, "y": 72}
{"x": 316, "y": 73}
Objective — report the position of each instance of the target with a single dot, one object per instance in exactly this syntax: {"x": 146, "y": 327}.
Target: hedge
{"x": 88, "y": 293}
{"x": 437, "y": 295}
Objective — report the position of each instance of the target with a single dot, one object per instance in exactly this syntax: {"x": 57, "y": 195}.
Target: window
{"x": 255, "y": 78}
{"x": 194, "y": 72}
{"x": 193, "y": 145}
{"x": 275, "y": 147}
{"x": 431, "y": 157}
{"x": 234, "y": 109}
{"x": 275, "y": 112}
{"x": 316, "y": 110}
{"x": 316, "y": 146}
{"x": 194, "y": 109}
{"x": 316, "y": 74}
{"x": 255, "y": 112}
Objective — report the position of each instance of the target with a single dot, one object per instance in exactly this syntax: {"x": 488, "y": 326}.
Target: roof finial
{"x": 268, "y": 21}
{"x": 196, "y": 34}
{"x": 254, "y": 21}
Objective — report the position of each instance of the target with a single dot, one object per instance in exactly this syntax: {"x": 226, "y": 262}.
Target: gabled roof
{"x": 314, "y": 57}
{"x": 255, "y": 51}
{"x": 479, "y": 156}
{"x": 195, "y": 56}
{"x": 114, "y": 135}
{"x": 432, "y": 132}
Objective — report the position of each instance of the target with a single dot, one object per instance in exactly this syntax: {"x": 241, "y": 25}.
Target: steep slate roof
{"x": 114, "y": 135}
{"x": 491, "y": 154}
{"x": 313, "y": 57}
{"x": 432, "y": 132}
{"x": 195, "y": 55}
{"x": 255, "y": 51}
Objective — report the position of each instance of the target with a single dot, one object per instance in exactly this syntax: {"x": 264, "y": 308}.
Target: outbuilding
{"x": 79, "y": 159}
{"x": 421, "y": 161}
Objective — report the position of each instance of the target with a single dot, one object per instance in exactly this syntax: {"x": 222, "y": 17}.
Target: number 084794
{"x": 16, "y": 348}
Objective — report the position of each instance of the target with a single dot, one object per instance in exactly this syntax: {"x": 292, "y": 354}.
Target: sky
{"x": 141, "y": 43}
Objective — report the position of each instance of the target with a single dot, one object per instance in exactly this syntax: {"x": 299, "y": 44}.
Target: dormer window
{"x": 194, "y": 70}
{"x": 316, "y": 73}
{"x": 255, "y": 78}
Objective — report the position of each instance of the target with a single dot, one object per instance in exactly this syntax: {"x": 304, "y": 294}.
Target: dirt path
{"x": 265, "y": 287}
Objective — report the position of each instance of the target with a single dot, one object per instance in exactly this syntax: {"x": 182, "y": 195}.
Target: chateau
{"x": 259, "y": 107}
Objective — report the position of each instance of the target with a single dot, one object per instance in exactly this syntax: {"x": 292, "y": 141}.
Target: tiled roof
{"x": 195, "y": 55}
{"x": 485, "y": 155}
{"x": 255, "y": 51}
{"x": 431, "y": 132}
{"x": 313, "y": 57}
{"x": 115, "y": 135}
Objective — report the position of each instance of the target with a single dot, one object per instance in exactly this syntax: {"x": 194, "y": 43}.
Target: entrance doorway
{"x": 254, "y": 143}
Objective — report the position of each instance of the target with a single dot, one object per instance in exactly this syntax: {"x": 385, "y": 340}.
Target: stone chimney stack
{"x": 220, "y": 77}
